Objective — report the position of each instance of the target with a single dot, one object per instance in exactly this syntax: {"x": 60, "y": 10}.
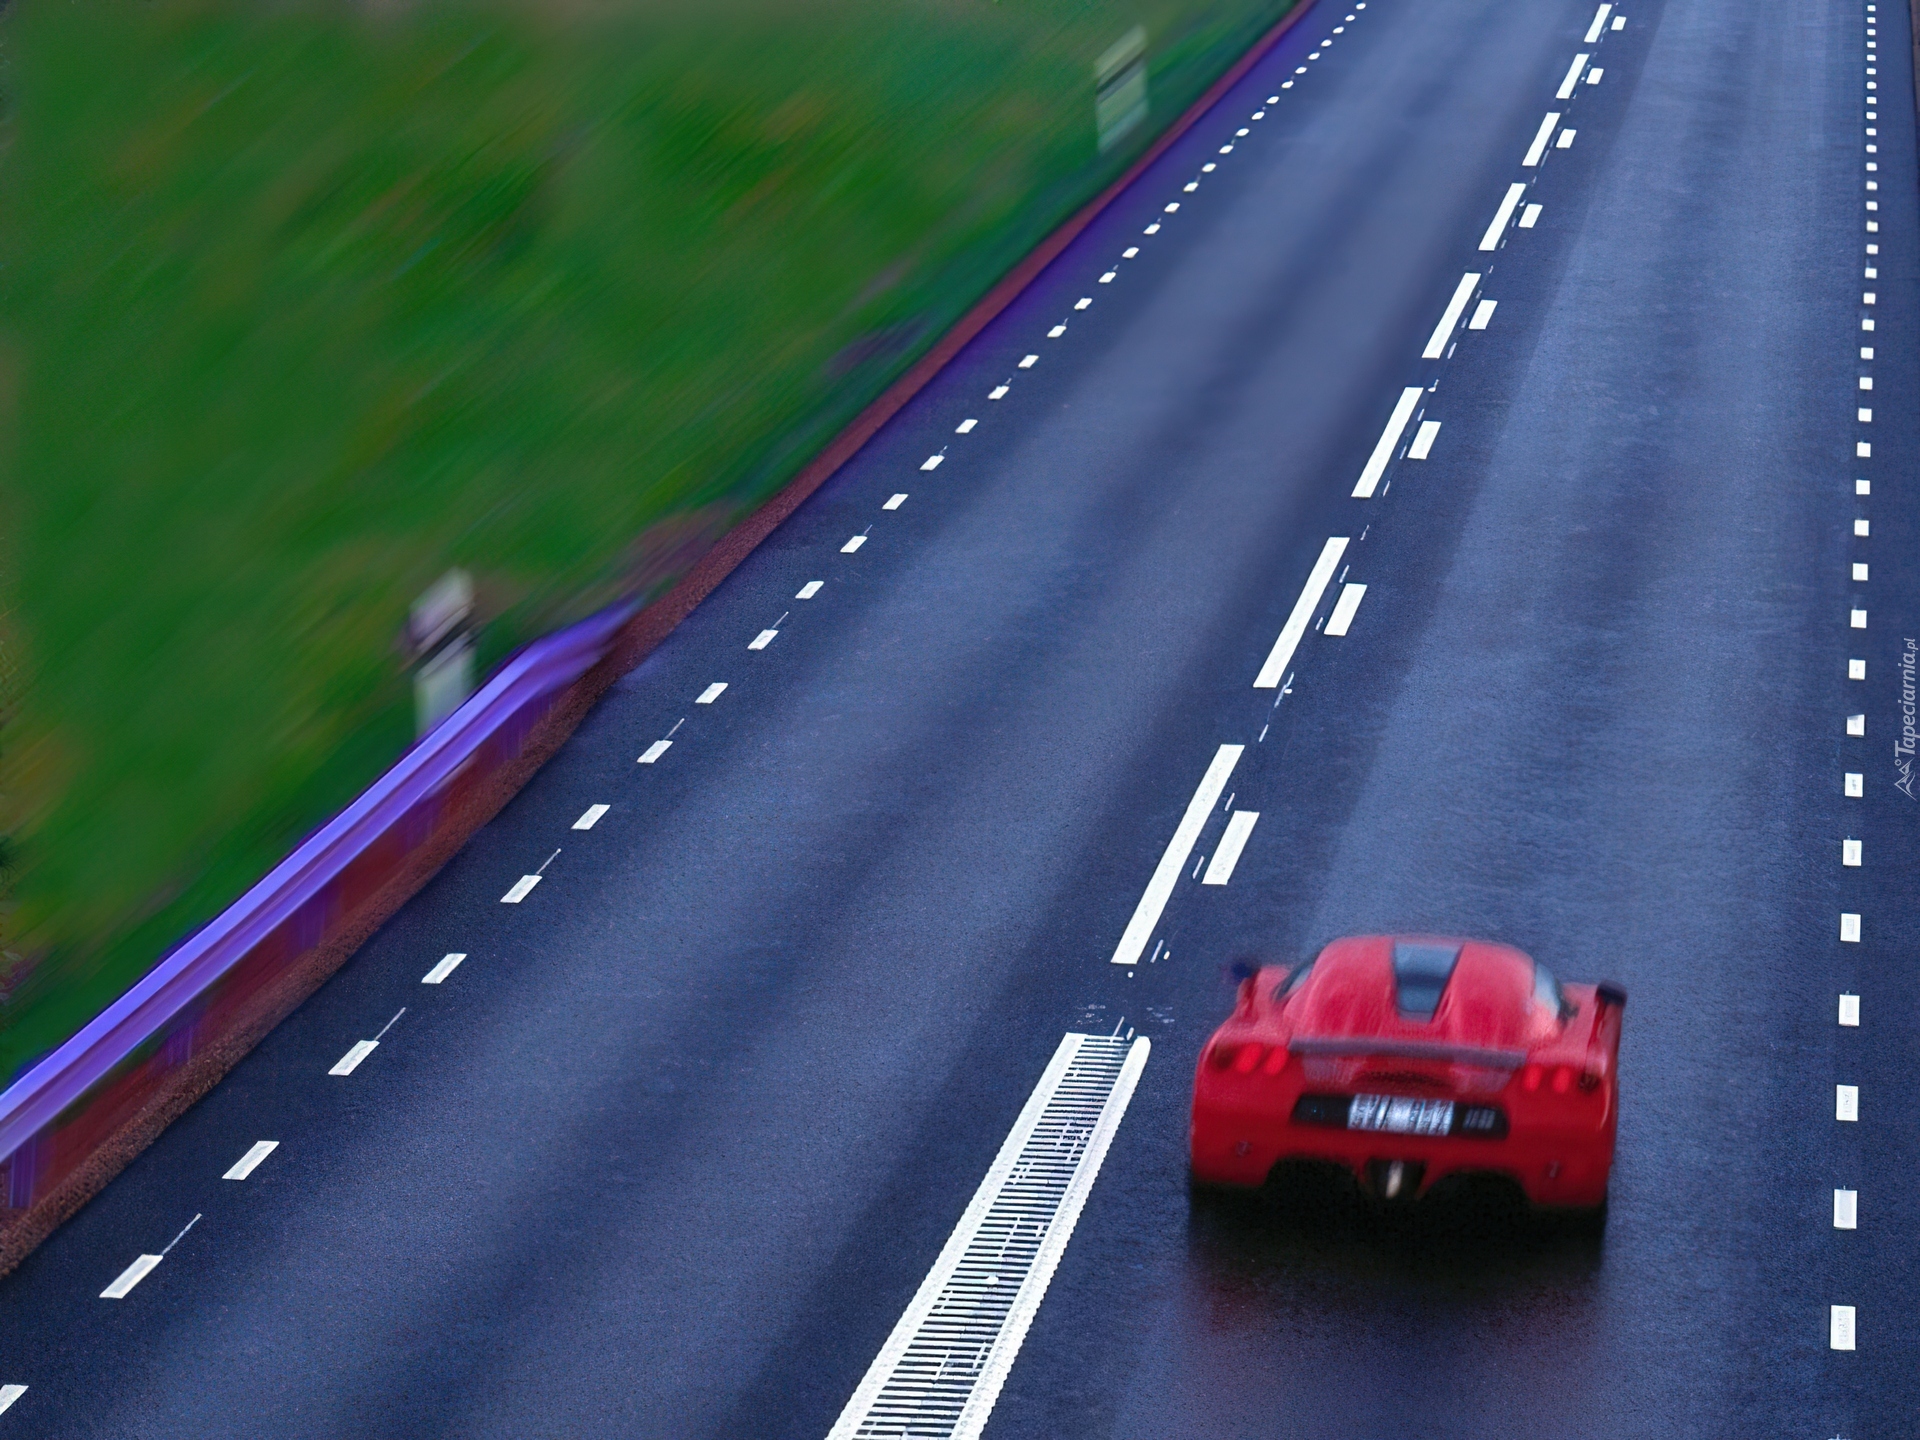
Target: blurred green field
{"x": 305, "y": 303}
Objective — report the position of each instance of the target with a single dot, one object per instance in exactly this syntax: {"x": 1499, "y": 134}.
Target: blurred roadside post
{"x": 1120, "y": 87}
{"x": 440, "y": 640}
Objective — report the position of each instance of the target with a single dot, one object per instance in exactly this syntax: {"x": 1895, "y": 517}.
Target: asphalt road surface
{"x": 672, "y": 1149}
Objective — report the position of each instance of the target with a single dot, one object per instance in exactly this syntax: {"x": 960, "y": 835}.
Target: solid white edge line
{"x": 1450, "y": 317}
{"x": 1344, "y": 608}
{"x": 250, "y": 1161}
{"x": 443, "y": 967}
{"x": 1026, "y": 1301}
{"x": 9, "y": 1394}
{"x": 1599, "y": 24}
{"x": 590, "y": 817}
{"x": 1491, "y": 240}
{"x": 1291, "y": 633}
{"x": 1540, "y": 139}
{"x": 1423, "y": 439}
{"x": 130, "y": 1277}
{"x": 1227, "y": 855}
{"x": 1573, "y": 77}
{"x": 1173, "y": 860}
{"x": 1389, "y": 439}
{"x": 1039, "y": 1274}
{"x": 350, "y": 1061}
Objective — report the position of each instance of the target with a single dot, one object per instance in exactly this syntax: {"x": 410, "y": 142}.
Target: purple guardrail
{"x": 65, "y": 1123}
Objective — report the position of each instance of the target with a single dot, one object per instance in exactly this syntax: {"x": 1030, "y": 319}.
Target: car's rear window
{"x": 1420, "y": 975}
{"x": 1546, "y": 990}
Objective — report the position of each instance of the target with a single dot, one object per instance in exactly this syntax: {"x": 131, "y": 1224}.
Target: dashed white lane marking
{"x": 446, "y": 965}
{"x": 9, "y": 1394}
{"x": 350, "y": 1061}
{"x": 1859, "y": 620}
{"x": 1344, "y": 609}
{"x": 707, "y": 696}
{"x": 1290, "y": 634}
{"x": 852, "y": 545}
{"x": 1840, "y": 1327}
{"x": 1856, "y": 784}
{"x": 1172, "y": 207}
{"x": 590, "y": 816}
{"x": 249, "y": 1162}
{"x": 1491, "y": 240}
{"x": 1530, "y": 216}
{"x": 1056, "y": 332}
{"x": 1846, "y": 1209}
{"x": 809, "y": 590}
{"x": 1867, "y": 298}
{"x": 130, "y": 1277}
{"x": 965, "y": 426}
{"x": 1450, "y": 317}
{"x": 1593, "y": 75}
{"x": 1565, "y": 142}
{"x": 1862, "y": 529}
{"x": 1599, "y": 19}
{"x": 1027, "y": 361}
{"x": 1849, "y": 852}
{"x": 1866, "y": 322}
{"x": 1850, "y": 1011}
{"x": 1540, "y": 139}
{"x": 1573, "y": 77}
{"x": 1482, "y": 313}
{"x": 943, "y": 1366}
{"x": 1863, "y": 451}
{"x": 1863, "y": 487}
{"x": 1146, "y": 914}
{"x": 1866, "y": 382}
{"x": 1860, "y": 572}
{"x": 1846, "y": 1103}
{"x": 1388, "y": 442}
{"x": 894, "y": 502}
{"x": 1856, "y": 724}
{"x": 1232, "y": 842}
{"x": 1130, "y": 252}
{"x": 652, "y": 753}
{"x": 1850, "y": 929}
{"x": 999, "y": 392}
{"x": 1108, "y": 278}
{"x": 1423, "y": 439}
{"x": 1619, "y": 23}
{"x": 1083, "y": 302}
{"x": 932, "y": 462}
{"x": 762, "y": 640}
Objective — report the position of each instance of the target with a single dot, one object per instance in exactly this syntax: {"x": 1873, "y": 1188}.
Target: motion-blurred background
{"x": 320, "y": 318}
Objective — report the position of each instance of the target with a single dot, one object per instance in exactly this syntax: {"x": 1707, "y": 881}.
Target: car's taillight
{"x": 1276, "y": 1061}
{"x": 1248, "y": 1058}
{"x": 1562, "y": 1079}
{"x": 1530, "y": 1078}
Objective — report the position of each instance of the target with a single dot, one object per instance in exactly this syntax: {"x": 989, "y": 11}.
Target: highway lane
{"x": 670, "y": 1150}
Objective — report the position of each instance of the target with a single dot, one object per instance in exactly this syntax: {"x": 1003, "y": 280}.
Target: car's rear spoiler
{"x": 1407, "y": 1050}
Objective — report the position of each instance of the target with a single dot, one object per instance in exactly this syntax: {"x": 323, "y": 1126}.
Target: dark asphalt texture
{"x": 671, "y": 1150}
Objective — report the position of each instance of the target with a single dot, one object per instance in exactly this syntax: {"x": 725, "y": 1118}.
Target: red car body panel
{"x": 1531, "y": 1075}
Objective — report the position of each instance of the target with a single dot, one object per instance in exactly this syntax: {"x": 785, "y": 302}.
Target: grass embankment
{"x": 305, "y": 304}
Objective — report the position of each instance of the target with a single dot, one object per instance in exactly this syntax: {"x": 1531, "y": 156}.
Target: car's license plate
{"x": 1400, "y": 1115}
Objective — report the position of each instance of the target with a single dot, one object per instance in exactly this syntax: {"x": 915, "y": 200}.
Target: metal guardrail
{"x": 168, "y": 1038}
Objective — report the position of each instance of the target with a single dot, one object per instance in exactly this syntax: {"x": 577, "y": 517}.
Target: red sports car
{"x": 1414, "y": 1061}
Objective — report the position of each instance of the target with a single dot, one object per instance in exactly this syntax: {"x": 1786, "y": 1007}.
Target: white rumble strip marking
{"x": 941, "y": 1370}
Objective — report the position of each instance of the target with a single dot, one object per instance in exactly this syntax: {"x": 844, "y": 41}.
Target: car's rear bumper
{"x": 1558, "y": 1169}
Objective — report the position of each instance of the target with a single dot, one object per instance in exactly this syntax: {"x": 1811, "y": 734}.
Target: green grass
{"x": 304, "y": 304}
